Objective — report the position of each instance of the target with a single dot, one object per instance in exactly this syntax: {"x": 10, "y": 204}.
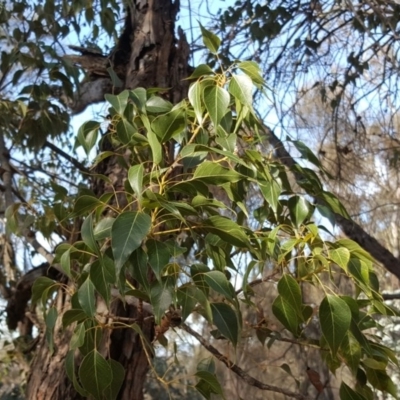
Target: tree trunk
{"x": 147, "y": 55}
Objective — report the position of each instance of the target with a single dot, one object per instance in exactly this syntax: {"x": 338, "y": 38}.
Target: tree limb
{"x": 351, "y": 229}
{"x": 237, "y": 370}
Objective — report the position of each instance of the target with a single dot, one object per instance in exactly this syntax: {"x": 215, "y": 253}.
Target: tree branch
{"x": 349, "y": 227}
{"x": 237, "y": 370}
{"x": 69, "y": 158}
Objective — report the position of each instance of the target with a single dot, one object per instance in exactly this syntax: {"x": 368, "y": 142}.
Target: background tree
{"x": 178, "y": 189}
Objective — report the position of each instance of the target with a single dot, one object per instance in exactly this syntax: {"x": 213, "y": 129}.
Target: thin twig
{"x": 237, "y": 370}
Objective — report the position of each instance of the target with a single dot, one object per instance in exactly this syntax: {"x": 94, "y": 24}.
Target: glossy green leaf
{"x": 87, "y": 135}
{"x": 195, "y": 96}
{"x": 347, "y": 393}
{"x": 335, "y": 318}
{"x": 78, "y": 337}
{"x": 65, "y": 263}
{"x": 158, "y": 255}
{"x": 155, "y": 146}
{"x": 86, "y": 204}
{"x": 271, "y": 191}
{"x": 201, "y": 70}
{"x": 135, "y": 177}
{"x": 125, "y": 131}
{"x": 227, "y": 230}
{"x": 103, "y": 229}
{"x": 299, "y": 209}
{"x": 87, "y": 298}
{"x": 41, "y": 286}
{"x": 252, "y": 69}
{"x": 225, "y": 319}
{"x": 70, "y": 369}
{"x": 118, "y": 102}
{"x": 161, "y": 297}
{"x": 169, "y": 125}
{"x": 340, "y": 256}
{"x": 118, "y": 375}
{"x": 216, "y": 100}
{"x": 211, "y": 380}
{"x": 73, "y": 315}
{"x": 95, "y": 374}
{"x": 290, "y": 291}
{"x": 286, "y": 314}
{"x": 214, "y": 174}
{"x": 102, "y": 274}
{"x": 127, "y": 233}
{"x": 88, "y": 235}
{"x": 157, "y": 104}
{"x": 210, "y": 40}
{"x": 218, "y": 282}
{"x": 241, "y": 87}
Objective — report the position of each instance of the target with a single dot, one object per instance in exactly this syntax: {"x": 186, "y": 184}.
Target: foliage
{"x": 183, "y": 222}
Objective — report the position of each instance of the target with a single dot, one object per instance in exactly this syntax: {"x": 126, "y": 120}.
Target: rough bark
{"x": 147, "y": 55}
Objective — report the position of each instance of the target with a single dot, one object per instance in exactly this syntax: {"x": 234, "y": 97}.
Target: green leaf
{"x": 334, "y": 204}
{"x": 306, "y": 153}
{"x": 168, "y": 125}
{"x": 86, "y": 204}
{"x": 201, "y": 70}
{"x": 73, "y": 315}
{"x": 299, "y": 209}
{"x": 42, "y": 285}
{"x": 241, "y": 87}
{"x": 88, "y": 235}
{"x": 211, "y": 41}
{"x": 157, "y": 104}
{"x": 70, "y": 369}
{"x": 65, "y": 263}
{"x": 252, "y": 69}
{"x": 161, "y": 297}
{"x": 290, "y": 291}
{"x": 118, "y": 374}
{"x": 87, "y": 135}
{"x": 118, "y": 102}
{"x": 226, "y": 320}
{"x": 135, "y": 177}
{"x": 102, "y": 274}
{"x": 159, "y": 256}
{"x": 138, "y": 270}
{"x": 207, "y": 364}
{"x": 211, "y": 380}
{"x": 195, "y": 95}
{"x": 218, "y": 282}
{"x": 78, "y": 337}
{"x": 271, "y": 191}
{"x": 125, "y": 131}
{"x": 139, "y": 97}
{"x": 286, "y": 314}
{"x": 216, "y": 100}
{"x": 227, "y": 230}
{"x": 127, "y": 233}
{"x": 187, "y": 299}
{"x": 340, "y": 256}
{"x": 351, "y": 352}
{"x": 214, "y": 174}
{"x": 86, "y": 297}
{"x": 95, "y": 374}
{"x": 380, "y": 380}
{"x": 155, "y": 146}
{"x": 103, "y": 229}
{"x": 347, "y": 393}
{"x": 335, "y": 318}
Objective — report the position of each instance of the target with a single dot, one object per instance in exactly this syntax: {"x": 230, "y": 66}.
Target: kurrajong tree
{"x": 150, "y": 234}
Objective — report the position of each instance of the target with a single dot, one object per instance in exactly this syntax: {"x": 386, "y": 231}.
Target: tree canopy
{"x": 232, "y": 198}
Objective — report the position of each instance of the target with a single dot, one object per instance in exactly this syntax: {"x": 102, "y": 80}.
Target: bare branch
{"x": 237, "y": 370}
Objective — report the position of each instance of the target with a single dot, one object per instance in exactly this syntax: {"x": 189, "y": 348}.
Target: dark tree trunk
{"x": 149, "y": 55}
